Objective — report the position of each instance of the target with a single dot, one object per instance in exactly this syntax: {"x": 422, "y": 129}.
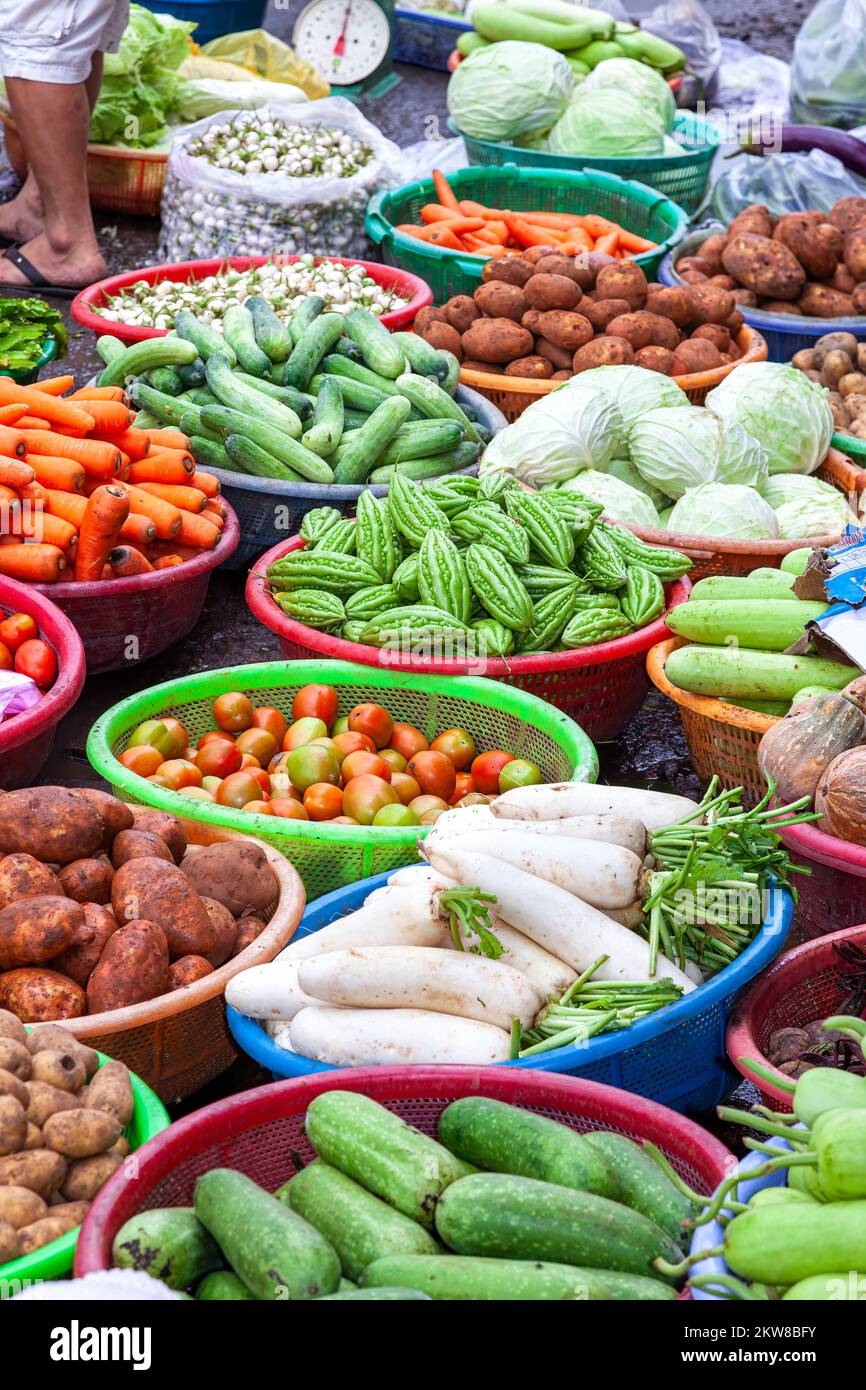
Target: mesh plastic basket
{"x": 637, "y": 207}
{"x": 683, "y": 178}
{"x": 330, "y": 856}
{"x": 261, "y": 1133}
{"x": 426, "y": 40}
{"x": 54, "y": 1260}
{"x": 711, "y": 1235}
{"x": 803, "y": 985}
{"x": 27, "y": 739}
{"x": 833, "y": 894}
{"x": 123, "y": 621}
{"x": 722, "y": 739}
{"x": 675, "y": 1057}
{"x": 602, "y": 687}
{"x": 267, "y": 509}
{"x": 48, "y": 354}
{"x": 785, "y": 334}
{"x": 118, "y": 179}
{"x": 83, "y": 306}
{"x": 512, "y": 395}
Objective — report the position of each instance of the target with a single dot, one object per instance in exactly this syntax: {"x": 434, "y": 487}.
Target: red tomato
{"x": 17, "y": 628}
{"x": 259, "y": 808}
{"x": 233, "y": 712}
{"x": 374, "y": 721}
{"x": 395, "y": 760}
{"x": 266, "y": 717}
{"x": 366, "y": 795}
{"x": 247, "y": 760}
{"x": 486, "y": 769}
{"x": 365, "y": 764}
{"x": 37, "y": 660}
{"x": 316, "y": 702}
{"x": 457, "y": 745}
{"x": 322, "y": 801}
{"x": 405, "y": 786}
{"x": 239, "y": 788}
{"x": 464, "y": 785}
{"x": 304, "y": 731}
{"x": 212, "y": 735}
{"x": 218, "y": 758}
{"x": 258, "y": 742}
{"x": 176, "y": 773}
{"x": 407, "y": 740}
{"x": 142, "y": 760}
{"x": 288, "y": 808}
{"x": 263, "y": 780}
{"x": 344, "y": 820}
{"x": 425, "y": 805}
{"x": 347, "y": 743}
{"x": 434, "y": 773}
{"x": 178, "y": 735}
{"x": 6, "y": 658}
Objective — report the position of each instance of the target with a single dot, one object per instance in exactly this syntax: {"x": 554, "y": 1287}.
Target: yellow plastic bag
{"x": 269, "y": 57}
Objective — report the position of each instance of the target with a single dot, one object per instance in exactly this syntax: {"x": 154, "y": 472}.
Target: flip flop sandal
{"x": 7, "y": 241}
{"x": 35, "y": 277}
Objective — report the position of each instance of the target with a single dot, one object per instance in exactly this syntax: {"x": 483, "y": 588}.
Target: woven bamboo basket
{"x": 512, "y": 394}
{"x": 118, "y": 179}
{"x": 180, "y": 1041}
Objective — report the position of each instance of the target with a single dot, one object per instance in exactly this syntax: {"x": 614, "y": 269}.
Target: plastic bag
{"x": 828, "y": 74}
{"x": 209, "y": 211}
{"x": 205, "y": 96}
{"x": 785, "y": 183}
{"x": 687, "y": 24}
{"x": 419, "y": 160}
{"x": 17, "y": 694}
{"x": 751, "y": 87}
{"x": 269, "y": 57}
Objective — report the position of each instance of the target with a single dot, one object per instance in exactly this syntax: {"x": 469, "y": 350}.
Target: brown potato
{"x": 858, "y": 299}
{"x": 496, "y": 340}
{"x": 61, "y": 1069}
{"x": 855, "y": 253}
{"x": 842, "y": 279}
{"x": 33, "y": 930}
{"x": 81, "y": 1133}
{"x": 601, "y": 312}
{"x": 672, "y": 302}
{"x": 835, "y": 342}
{"x": 694, "y": 277}
{"x": 141, "y": 844}
{"x": 15, "y": 1058}
{"x": 20, "y": 1207}
{"x": 533, "y": 366}
{"x": 804, "y": 360}
{"x": 33, "y": 1137}
{"x": 712, "y": 248}
{"x": 559, "y": 358}
{"x": 762, "y": 265}
{"x": 167, "y": 827}
{"x": 74, "y": 1211}
{"x": 12, "y": 1085}
{"x": 423, "y": 319}
{"x": 121, "y": 1147}
{"x": 39, "y": 995}
{"x": 552, "y": 292}
{"x": 499, "y": 300}
{"x": 187, "y": 971}
{"x": 59, "y": 1039}
{"x": 747, "y": 299}
{"x": 79, "y": 962}
{"x": 643, "y": 329}
{"x": 22, "y": 876}
{"x": 624, "y": 280}
{"x": 236, "y": 873}
{"x": 606, "y": 351}
{"x": 565, "y": 328}
{"x": 560, "y": 264}
{"x": 86, "y": 1176}
{"x": 164, "y": 894}
{"x": 445, "y": 338}
{"x": 227, "y": 930}
{"x": 532, "y": 320}
{"x": 461, "y": 311}
{"x": 116, "y": 815}
{"x": 848, "y": 214}
{"x": 696, "y": 265}
{"x": 817, "y": 245}
{"x": 45, "y": 1100}
{"x": 9, "y": 1247}
{"x": 561, "y": 376}
{"x": 817, "y": 301}
{"x": 133, "y": 967}
{"x": 514, "y": 270}
{"x": 12, "y": 1027}
{"x": 655, "y": 359}
{"x": 487, "y": 367}
{"x": 714, "y": 333}
{"x": 780, "y": 306}
{"x": 697, "y": 355}
{"x": 710, "y": 304}
{"x": 852, "y": 383}
{"x": 13, "y": 1125}
{"x": 111, "y": 1091}
{"x": 249, "y": 930}
{"x": 42, "y": 1232}
{"x": 88, "y": 880}
{"x": 537, "y": 253}
{"x": 50, "y": 823}
{"x": 40, "y": 1170}
{"x": 856, "y": 404}
{"x": 754, "y": 218}
{"x": 723, "y": 282}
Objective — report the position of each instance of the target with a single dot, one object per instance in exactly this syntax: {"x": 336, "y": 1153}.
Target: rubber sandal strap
{"x": 36, "y": 279}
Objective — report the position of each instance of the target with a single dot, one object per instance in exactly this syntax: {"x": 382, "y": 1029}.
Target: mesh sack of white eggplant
{"x": 278, "y": 180}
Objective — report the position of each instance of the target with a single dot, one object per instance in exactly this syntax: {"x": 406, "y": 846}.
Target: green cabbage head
{"x": 779, "y": 406}
{"x": 724, "y": 509}
{"x": 627, "y": 75}
{"x": 606, "y": 122}
{"x": 509, "y": 89}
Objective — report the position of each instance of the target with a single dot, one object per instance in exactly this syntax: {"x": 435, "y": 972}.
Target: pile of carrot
{"x": 85, "y": 496}
{"x": 462, "y": 225}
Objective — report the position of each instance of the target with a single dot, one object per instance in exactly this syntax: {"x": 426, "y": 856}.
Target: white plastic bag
{"x": 828, "y": 74}
{"x": 687, "y": 24}
{"x": 208, "y": 211}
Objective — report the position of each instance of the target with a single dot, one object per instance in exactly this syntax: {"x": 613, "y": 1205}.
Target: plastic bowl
{"x": 408, "y": 286}
{"x": 27, "y": 739}
{"x": 711, "y": 1235}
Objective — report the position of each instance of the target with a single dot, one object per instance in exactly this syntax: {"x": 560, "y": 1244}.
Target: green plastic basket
{"x": 331, "y": 856}
{"x": 54, "y": 1261}
{"x": 681, "y": 177}
{"x": 637, "y": 207}
{"x": 48, "y": 354}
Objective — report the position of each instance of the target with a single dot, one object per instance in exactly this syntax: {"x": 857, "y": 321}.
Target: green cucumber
{"x": 360, "y": 1226}
{"x": 170, "y": 409}
{"x": 205, "y": 339}
{"x": 337, "y": 364}
{"x": 422, "y": 438}
{"x": 144, "y": 357}
{"x": 356, "y": 394}
{"x": 517, "y": 1218}
{"x": 324, "y": 435}
{"x": 166, "y": 380}
{"x": 316, "y": 343}
{"x": 192, "y": 374}
{"x": 755, "y": 623}
{"x": 199, "y": 395}
{"x": 275, "y": 1253}
{"x": 643, "y": 1185}
{"x": 169, "y": 1243}
{"x": 291, "y": 453}
{"x": 379, "y": 1295}
{"x": 778, "y": 708}
{"x": 286, "y": 395}
{"x": 437, "y": 466}
{"x": 361, "y": 456}
{"x": 223, "y": 1287}
{"x": 423, "y": 358}
{"x": 239, "y": 333}
{"x": 109, "y": 348}
{"x": 308, "y": 310}
{"x": 192, "y": 424}
{"x": 631, "y": 1288}
{"x": 458, "y": 1278}
{"x": 737, "y": 672}
{"x": 435, "y": 403}
{"x": 365, "y": 1141}
{"x": 237, "y": 395}
{"x": 271, "y": 334}
{"x": 795, "y": 561}
{"x": 451, "y": 381}
{"x": 252, "y": 458}
{"x": 505, "y": 1139}
{"x": 378, "y": 349}
{"x": 809, "y": 692}
{"x": 209, "y": 453}
{"x": 745, "y": 586}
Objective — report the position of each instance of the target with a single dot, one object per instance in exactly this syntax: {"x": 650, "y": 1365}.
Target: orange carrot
{"x": 471, "y": 209}
{"x": 606, "y": 245}
{"x": 214, "y": 518}
{"x": 32, "y": 561}
{"x": 526, "y": 235}
{"x": 217, "y": 506}
{"x": 444, "y": 192}
{"x": 163, "y": 467}
{"x": 11, "y": 414}
{"x": 206, "y": 483}
{"x": 71, "y": 506}
{"x": 630, "y": 241}
{"x": 165, "y": 517}
{"x": 106, "y": 512}
{"x": 65, "y": 474}
{"x": 442, "y": 235}
{"x": 125, "y": 560}
{"x": 99, "y": 393}
{"x": 138, "y": 530}
{"x": 39, "y": 525}
{"x": 561, "y": 221}
{"x": 14, "y": 473}
{"x": 167, "y": 562}
{"x": 166, "y": 438}
{"x": 110, "y": 417}
{"x": 54, "y": 385}
{"x": 10, "y": 497}
{"x": 34, "y": 422}
{"x": 197, "y": 531}
{"x": 134, "y": 443}
{"x": 59, "y": 412}
{"x": 188, "y": 498}
{"x": 97, "y": 459}
{"x": 435, "y": 212}
{"x": 12, "y": 442}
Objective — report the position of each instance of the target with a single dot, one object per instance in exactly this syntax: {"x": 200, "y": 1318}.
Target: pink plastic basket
{"x": 803, "y": 985}
{"x": 408, "y": 286}
{"x": 27, "y": 739}
{"x": 154, "y": 609}
{"x": 261, "y": 1133}
{"x": 601, "y": 687}
{"x": 833, "y": 894}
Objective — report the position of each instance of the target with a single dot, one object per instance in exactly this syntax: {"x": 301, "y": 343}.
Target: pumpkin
{"x": 841, "y": 797}
{"x": 855, "y": 691}
{"x": 795, "y": 752}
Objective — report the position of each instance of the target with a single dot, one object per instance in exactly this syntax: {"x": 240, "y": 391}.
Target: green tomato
{"x": 340, "y": 726}
{"x": 395, "y": 815}
{"x": 519, "y": 773}
{"x": 311, "y": 763}
{"x": 154, "y": 734}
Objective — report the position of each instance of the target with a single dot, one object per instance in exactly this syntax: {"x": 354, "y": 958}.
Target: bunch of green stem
{"x": 468, "y": 916}
{"x": 590, "y": 1007}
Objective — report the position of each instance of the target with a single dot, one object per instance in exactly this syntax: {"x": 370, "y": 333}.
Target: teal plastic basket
{"x": 634, "y": 205}
{"x": 48, "y": 354}
{"x": 681, "y": 177}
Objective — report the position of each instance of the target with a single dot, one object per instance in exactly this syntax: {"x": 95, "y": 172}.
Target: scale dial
{"x": 344, "y": 40}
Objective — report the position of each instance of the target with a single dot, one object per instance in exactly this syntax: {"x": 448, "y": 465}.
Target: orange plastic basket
{"x": 722, "y": 739}
{"x": 118, "y": 179}
{"x": 513, "y": 394}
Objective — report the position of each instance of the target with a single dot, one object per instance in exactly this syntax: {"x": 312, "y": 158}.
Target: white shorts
{"x": 55, "y": 42}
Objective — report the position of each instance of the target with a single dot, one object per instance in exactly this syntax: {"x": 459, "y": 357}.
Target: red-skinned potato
{"x": 79, "y": 962}
{"x": 51, "y": 823}
{"x": 35, "y": 930}
{"x": 227, "y": 930}
{"x": 514, "y": 270}
{"x": 116, "y": 815}
{"x": 132, "y": 969}
{"x": 167, "y": 827}
{"x": 22, "y": 876}
{"x": 605, "y": 351}
{"x": 163, "y": 894}
{"x": 235, "y": 873}
{"x": 88, "y": 880}
{"x": 546, "y": 292}
{"x": 39, "y": 995}
{"x": 249, "y": 930}
{"x": 622, "y": 280}
{"x": 187, "y": 971}
{"x": 139, "y": 844}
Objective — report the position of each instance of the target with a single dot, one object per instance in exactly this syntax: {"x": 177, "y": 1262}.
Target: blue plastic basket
{"x": 427, "y": 40}
{"x": 785, "y": 333}
{"x": 712, "y": 1235}
{"x": 676, "y": 1057}
{"x": 215, "y": 17}
{"x": 269, "y": 511}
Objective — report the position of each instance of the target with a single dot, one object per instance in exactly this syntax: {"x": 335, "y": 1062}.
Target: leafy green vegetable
{"x": 141, "y": 83}
{"x": 509, "y": 89}
{"x": 24, "y": 326}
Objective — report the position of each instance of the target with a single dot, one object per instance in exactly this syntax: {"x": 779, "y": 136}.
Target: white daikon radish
{"x": 552, "y": 976}
{"x": 603, "y": 875}
{"x": 268, "y": 991}
{"x": 412, "y": 875}
{"x": 399, "y": 917}
{"x": 630, "y": 916}
{"x": 694, "y": 972}
{"x": 413, "y": 977}
{"x": 612, "y": 830}
{"x": 395, "y": 1037}
{"x": 461, "y": 819}
{"x": 558, "y": 921}
{"x": 279, "y": 1032}
{"x": 558, "y": 799}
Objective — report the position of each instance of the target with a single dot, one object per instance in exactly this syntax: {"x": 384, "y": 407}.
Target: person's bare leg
{"x": 53, "y": 121}
{"x": 93, "y": 83}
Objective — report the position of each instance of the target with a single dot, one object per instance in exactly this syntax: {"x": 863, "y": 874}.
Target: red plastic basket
{"x": 154, "y": 609}
{"x": 261, "y": 1133}
{"x": 601, "y": 687}
{"x": 27, "y": 739}
{"x": 392, "y": 277}
{"x": 833, "y": 894}
{"x": 803, "y": 985}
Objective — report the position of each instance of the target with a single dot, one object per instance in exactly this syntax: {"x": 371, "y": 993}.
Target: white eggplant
{"x": 603, "y": 875}
{"x": 558, "y": 799}
{"x": 398, "y": 917}
{"x": 564, "y": 925}
{"x": 268, "y": 991}
{"x": 612, "y": 830}
{"x": 395, "y": 1037}
{"x": 412, "y": 977}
